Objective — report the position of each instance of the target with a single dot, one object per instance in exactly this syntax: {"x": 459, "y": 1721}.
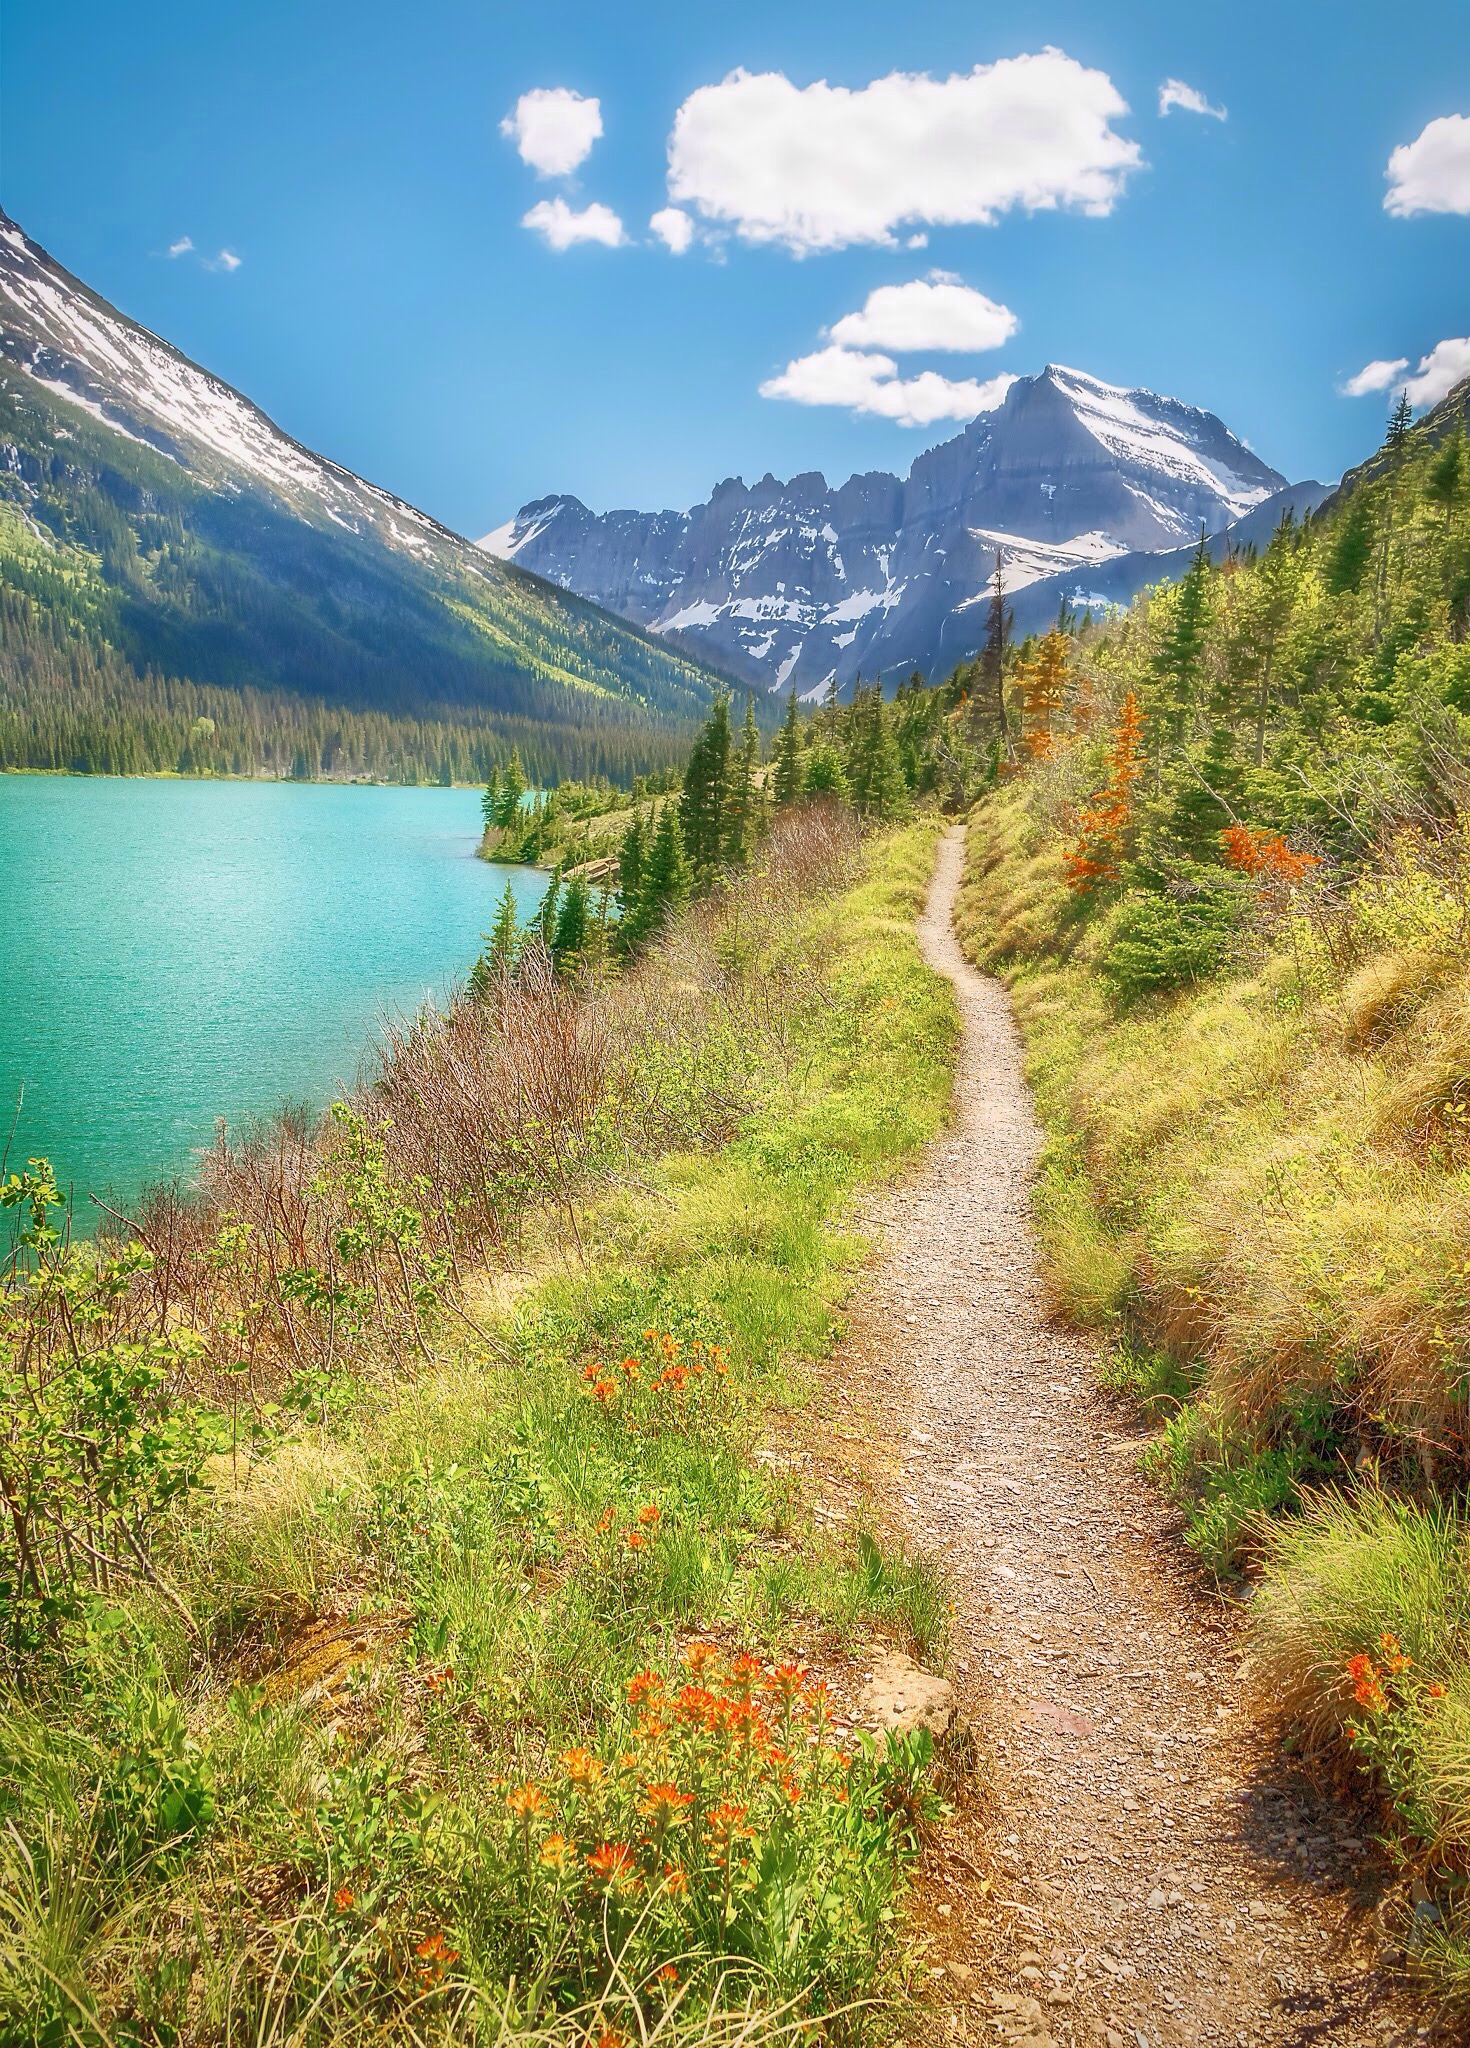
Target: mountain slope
{"x": 153, "y": 516}
{"x": 800, "y": 583}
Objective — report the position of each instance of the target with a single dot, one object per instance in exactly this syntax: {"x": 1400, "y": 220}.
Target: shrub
{"x": 1165, "y": 942}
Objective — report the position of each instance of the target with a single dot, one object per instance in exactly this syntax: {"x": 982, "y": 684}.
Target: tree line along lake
{"x": 172, "y": 952}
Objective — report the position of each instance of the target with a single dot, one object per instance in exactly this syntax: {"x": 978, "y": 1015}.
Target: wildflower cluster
{"x": 1386, "y": 1725}
{"x": 718, "y": 1807}
{"x": 663, "y": 1381}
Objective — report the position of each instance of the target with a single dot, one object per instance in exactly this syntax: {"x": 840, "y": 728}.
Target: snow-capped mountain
{"x": 282, "y": 569}
{"x": 799, "y": 583}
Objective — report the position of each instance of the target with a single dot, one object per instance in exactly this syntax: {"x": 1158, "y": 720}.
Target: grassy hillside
{"x": 407, "y": 1634}
{"x": 151, "y": 619}
{"x": 1230, "y": 890}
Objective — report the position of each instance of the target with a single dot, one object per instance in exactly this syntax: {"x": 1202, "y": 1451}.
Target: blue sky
{"x": 389, "y": 308}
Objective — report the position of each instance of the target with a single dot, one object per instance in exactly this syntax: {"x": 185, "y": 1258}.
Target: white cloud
{"x": 182, "y": 246}
{"x": 870, "y": 383}
{"x": 674, "y": 228}
{"x": 1437, "y": 375}
{"x": 553, "y": 128}
{"x": 823, "y": 167}
{"x": 1440, "y": 371}
{"x": 225, "y": 260}
{"x": 1431, "y": 174}
{"x": 1175, "y": 93}
{"x": 561, "y": 226}
{"x": 937, "y": 313}
{"x": 1376, "y": 376}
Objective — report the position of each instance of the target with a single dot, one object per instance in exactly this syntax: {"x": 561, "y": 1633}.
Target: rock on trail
{"x": 1157, "y": 1876}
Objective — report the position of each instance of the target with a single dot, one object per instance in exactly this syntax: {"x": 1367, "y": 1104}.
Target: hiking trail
{"x": 1153, "y": 1872}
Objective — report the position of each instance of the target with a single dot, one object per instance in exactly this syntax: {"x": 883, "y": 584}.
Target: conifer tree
{"x": 888, "y": 794}
{"x": 502, "y": 946}
{"x": 490, "y": 800}
{"x": 1352, "y": 549}
{"x": 512, "y": 790}
{"x": 545, "y": 919}
{"x": 786, "y": 776}
{"x": 1043, "y": 680}
{"x": 667, "y": 882}
{"x": 742, "y": 800}
{"x": 632, "y": 855}
{"x": 824, "y": 773}
{"x": 1399, "y": 422}
{"x": 702, "y": 805}
{"x": 1179, "y": 664}
{"x": 569, "y": 941}
{"x": 993, "y": 655}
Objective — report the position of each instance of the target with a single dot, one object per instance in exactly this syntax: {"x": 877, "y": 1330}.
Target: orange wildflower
{"x": 644, "y": 1685}
{"x": 612, "y": 1863}
{"x": 583, "y": 1768}
{"x": 742, "y": 1675}
{"x": 786, "y": 1681}
{"x": 603, "y": 1390}
{"x": 1366, "y": 1689}
{"x": 648, "y": 1515}
{"x": 556, "y": 1851}
{"x": 342, "y": 1898}
{"x": 527, "y": 1801}
{"x": 635, "y": 1539}
{"x": 1394, "y": 1658}
{"x": 667, "y": 1974}
{"x": 630, "y": 1367}
{"x": 664, "y": 1803}
{"x": 698, "y": 1657}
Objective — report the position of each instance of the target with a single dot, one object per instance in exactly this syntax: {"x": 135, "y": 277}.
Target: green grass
{"x": 182, "y": 1815}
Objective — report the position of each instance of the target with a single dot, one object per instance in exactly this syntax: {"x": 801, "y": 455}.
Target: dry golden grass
{"x": 1274, "y": 1165}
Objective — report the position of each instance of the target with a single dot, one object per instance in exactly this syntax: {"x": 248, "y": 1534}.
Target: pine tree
{"x": 1446, "y": 478}
{"x": 502, "y": 947}
{"x": 993, "y": 655}
{"x": 490, "y": 800}
{"x": 786, "y": 775}
{"x": 1352, "y": 549}
{"x": 702, "y": 805}
{"x": 825, "y": 774}
{"x": 632, "y": 855}
{"x": 1399, "y": 422}
{"x": 1043, "y": 680}
{"x": 667, "y": 882}
{"x": 545, "y": 919}
{"x": 742, "y": 799}
{"x": 1179, "y": 664}
{"x": 888, "y": 795}
{"x": 512, "y": 790}
{"x": 569, "y": 941}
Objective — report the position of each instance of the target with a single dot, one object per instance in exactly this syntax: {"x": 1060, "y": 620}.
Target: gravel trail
{"x": 1152, "y": 1873}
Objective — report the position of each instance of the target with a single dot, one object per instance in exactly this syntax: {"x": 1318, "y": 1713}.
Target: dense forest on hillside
{"x": 148, "y": 622}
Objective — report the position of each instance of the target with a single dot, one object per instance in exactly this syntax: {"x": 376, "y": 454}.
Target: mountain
{"x": 178, "y": 574}
{"x": 799, "y": 583}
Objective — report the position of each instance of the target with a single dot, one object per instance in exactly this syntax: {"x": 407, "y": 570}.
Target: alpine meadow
{"x": 735, "y": 1225}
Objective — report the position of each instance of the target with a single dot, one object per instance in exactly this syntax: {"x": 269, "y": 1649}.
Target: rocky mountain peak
{"x": 802, "y": 582}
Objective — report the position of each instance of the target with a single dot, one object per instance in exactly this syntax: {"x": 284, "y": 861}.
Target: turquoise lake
{"x": 174, "y": 952}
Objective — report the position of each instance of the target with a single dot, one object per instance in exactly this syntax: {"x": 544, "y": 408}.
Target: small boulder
{"x": 901, "y": 1695}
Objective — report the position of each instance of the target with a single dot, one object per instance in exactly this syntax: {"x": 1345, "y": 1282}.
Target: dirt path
{"x": 1155, "y": 1875}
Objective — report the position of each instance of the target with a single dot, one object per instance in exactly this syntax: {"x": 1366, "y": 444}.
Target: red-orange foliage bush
{"x": 1103, "y": 827}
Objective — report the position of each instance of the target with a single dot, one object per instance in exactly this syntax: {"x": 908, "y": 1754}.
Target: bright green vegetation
{"x": 1233, "y": 908}
{"x": 402, "y": 1628}
{"x": 148, "y": 622}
